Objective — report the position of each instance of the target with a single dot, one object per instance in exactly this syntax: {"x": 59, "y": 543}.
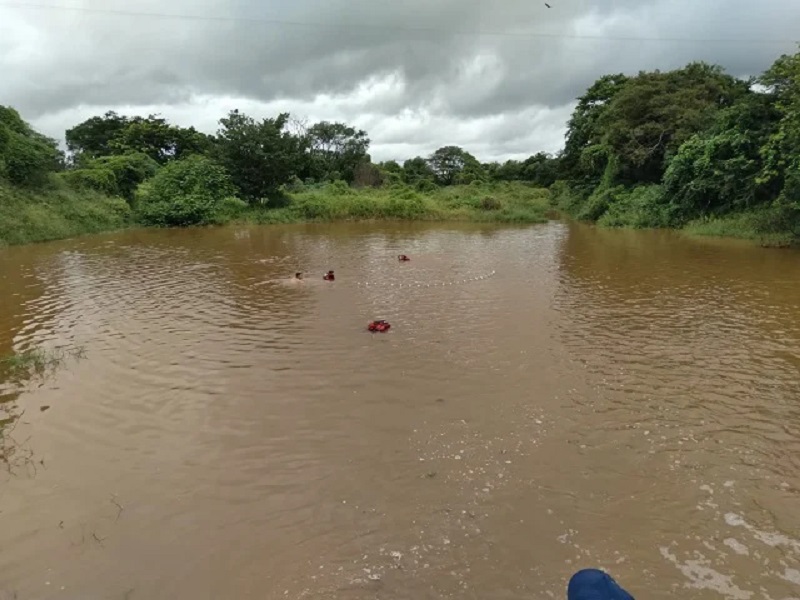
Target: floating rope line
{"x": 424, "y": 284}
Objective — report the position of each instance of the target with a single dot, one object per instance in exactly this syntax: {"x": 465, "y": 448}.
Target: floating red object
{"x": 379, "y": 326}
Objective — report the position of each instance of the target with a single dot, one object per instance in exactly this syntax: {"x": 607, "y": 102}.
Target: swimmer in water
{"x": 329, "y": 276}
{"x": 298, "y": 278}
{"x": 403, "y": 258}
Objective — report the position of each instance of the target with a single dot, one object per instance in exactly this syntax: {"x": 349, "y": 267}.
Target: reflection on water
{"x": 548, "y": 398}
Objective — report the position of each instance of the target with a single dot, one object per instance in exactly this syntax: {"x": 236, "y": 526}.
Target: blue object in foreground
{"x": 592, "y": 584}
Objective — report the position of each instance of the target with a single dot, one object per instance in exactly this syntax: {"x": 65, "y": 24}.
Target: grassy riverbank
{"x": 649, "y": 207}
{"x": 495, "y": 203}
{"x": 57, "y": 212}
{"x": 767, "y": 229}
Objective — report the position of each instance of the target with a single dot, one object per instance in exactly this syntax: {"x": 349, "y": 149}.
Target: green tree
{"x": 654, "y": 113}
{"x": 781, "y": 150}
{"x": 583, "y": 128}
{"x": 114, "y": 135}
{"x": 259, "y": 155}
{"x": 451, "y": 165}
{"x": 26, "y": 156}
{"x": 335, "y": 151}
{"x": 417, "y": 172}
{"x": 391, "y": 166}
{"x": 113, "y": 175}
{"x": 93, "y": 137}
{"x": 716, "y": 171}
{"x": 159, "y": 140}
{"x": 190, "y": 191}
{"x": 541, "y": 169}
{"x": 391, "y": 172}
{"x": 493, "y": 171}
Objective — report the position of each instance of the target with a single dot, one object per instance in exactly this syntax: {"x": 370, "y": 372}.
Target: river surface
{"x": 548, "y": 398}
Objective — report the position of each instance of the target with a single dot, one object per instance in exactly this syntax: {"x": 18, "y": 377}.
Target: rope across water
{"x": 425, "y": 284}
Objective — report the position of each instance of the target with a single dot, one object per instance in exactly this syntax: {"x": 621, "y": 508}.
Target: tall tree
{"x": 450, "y": 163}
{"x": 583, "y": 130}
{"x": 417, "y": 170}
{"x": 115, "y": 135}
{"x": 259, "y": 155}
{"x": 781, "y": 152}
{"x": 541, "y": 169}
{"x": 159, "y": 140}
{"x": 336, "y": 150}
{"x": 93, "y": 137}
{"x": 654, "y": 113}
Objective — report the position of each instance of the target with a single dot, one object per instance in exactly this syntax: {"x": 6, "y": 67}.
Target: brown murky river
{"x": 548, "y": 398}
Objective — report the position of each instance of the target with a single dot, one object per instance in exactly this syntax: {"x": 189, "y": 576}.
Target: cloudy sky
{"x": 498, "y": 78}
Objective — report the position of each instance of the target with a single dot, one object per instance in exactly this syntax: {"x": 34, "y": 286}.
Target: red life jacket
{"x": 379, "y": 326}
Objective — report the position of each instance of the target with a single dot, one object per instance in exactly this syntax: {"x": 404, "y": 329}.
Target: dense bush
{"x": 640, "y": 207}
{"x": 192, "y": 191}
{"x": 117, "y": 175}
{"x": 26, "y": 157}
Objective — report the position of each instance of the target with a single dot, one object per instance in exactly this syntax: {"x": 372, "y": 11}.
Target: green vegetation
{"x": 693, "y": 148}
{"x": 39, "y": 361}
{"x": 499, "y": 203}
{"x": 122, "y": 171}
{"x": 192, "y": 191}
{"x": 56, "y": 211}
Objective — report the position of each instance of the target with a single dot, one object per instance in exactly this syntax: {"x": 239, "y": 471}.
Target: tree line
{"x": 662, "y": 149}
{"x": 657, "y": 149}
{"x": 178, "y": 172}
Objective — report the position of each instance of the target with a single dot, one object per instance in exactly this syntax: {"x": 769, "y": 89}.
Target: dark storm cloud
{"x": 451, "y": 60}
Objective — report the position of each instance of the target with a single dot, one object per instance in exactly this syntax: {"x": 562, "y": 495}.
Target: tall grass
{"x": 744, "y": 226}
{"x": 38, "y": 361}
{"x": 56, "y": 212}
{"x": 499, "y": 203}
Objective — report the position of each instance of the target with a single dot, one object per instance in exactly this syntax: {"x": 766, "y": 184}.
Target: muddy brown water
{"x": 548, "y": 398}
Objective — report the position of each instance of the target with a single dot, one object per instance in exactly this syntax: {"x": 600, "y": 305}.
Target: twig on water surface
{"x": 119, "y": 506}
{"x": 12, "y": 453}
{"x": 15, "y": 422}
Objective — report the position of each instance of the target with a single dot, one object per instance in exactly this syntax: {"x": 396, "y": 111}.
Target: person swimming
{"x": 296, "y": 280}
{"x": 329, "y": 276}
{"x": 403, "y": 258}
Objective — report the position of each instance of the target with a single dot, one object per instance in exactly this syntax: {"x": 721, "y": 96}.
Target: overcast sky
{"x": 498, "y": 78}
